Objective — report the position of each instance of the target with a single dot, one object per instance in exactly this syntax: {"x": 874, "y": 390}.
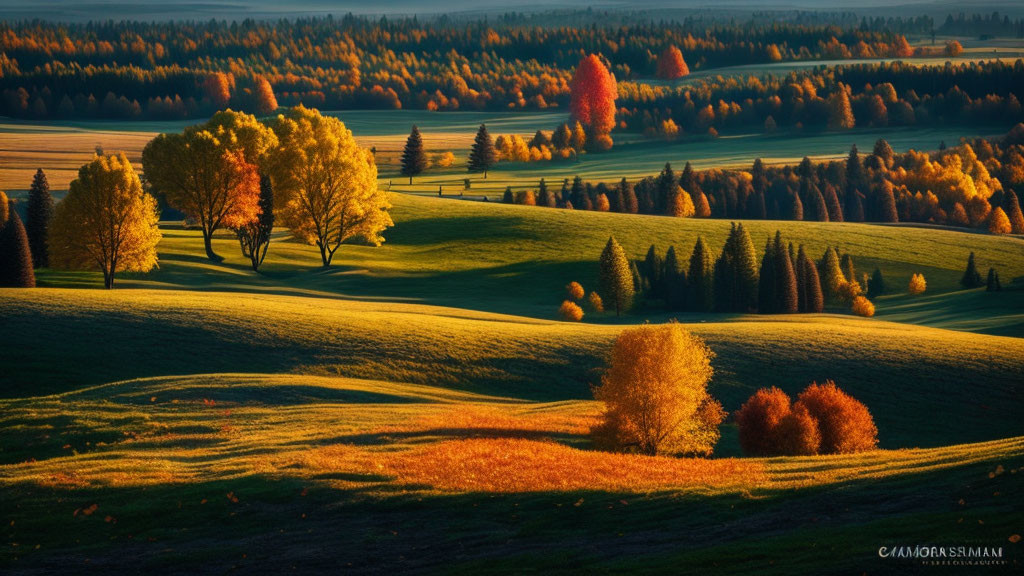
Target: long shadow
{"x": 382, "y": 438}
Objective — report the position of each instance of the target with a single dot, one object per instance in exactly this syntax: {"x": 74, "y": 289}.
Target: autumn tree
{"x": 655, "y": 394}
{"x": 482, "y": 156}
{"x": 840, "y": 113}
{"x": 106, "y": 221}
{"x": 5, "y": 208}
{"x": 615, "y": 282}
{"x": 785, "y": 278}
{"x": 832, "y": 277}
{"x": 254, "y": 236}
{"x": 592, "y": 100}
{"x": 574, "y": 290}
{"x": 570, "y": 311}
{"x": 971, "y": 277}
{"x": 414, "y": 159}
{"x": 15, "y": 254}
{"x": 917, "y": 284}
{"x": 210, "y": 171}
{"x": 1011, "y": 206}
{"x": 953, "y": 49}
{"x": 671, "y": 65}
{"x": 845, "y": 424}
{"x": 326, "y": 184}
{"x": 264, "y": 101}
{"x": 998, "y": 223}
{"x": 861, "y": 306}
{"x": 39, "y": 212}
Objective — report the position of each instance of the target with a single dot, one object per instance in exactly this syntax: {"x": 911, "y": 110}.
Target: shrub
{"x": 759, "y": 419}
{"x": 596, "y": 304}
{"x": 845, "y": 424}
{"x": 574, "y": 290}
{"x": 863, "y": 307}
{"x": 917, "y": 284}
{"x": 998, "y": 222}
{"x": 849, "y": 291}
{"x": 798, "y": 433}
{"x": 570, "y": 311}
{"x": 655, "y": 394}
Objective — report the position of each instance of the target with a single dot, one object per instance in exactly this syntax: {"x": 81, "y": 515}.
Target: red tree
{"x": 671, "y": 65}
{"x": 593, "y": 99}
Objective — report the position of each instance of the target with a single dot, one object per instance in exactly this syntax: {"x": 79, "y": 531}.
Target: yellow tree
{"x": 655, "y": 393}
{"x": 326, "y": 183}
{"x": 209, "y": 171}
{"x": 105, "y": 221}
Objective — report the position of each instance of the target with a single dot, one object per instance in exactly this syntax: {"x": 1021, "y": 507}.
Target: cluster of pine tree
{"x": 785, "y": 280}
{"x": 24, "y": 246}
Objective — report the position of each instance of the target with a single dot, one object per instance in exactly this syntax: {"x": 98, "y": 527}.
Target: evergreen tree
{"x": 666, "y": 189}
{"x": 15, "y": 255}
{"x": 786, "y": 300}
{"x": 886, "y": 210}
{"x": 615, "y": 282}
{"x": 688, "y": 180}
{"x": 39, "y": 213}
{"x": 482, "y": 157}
{"x": 639, "y": 286}
{"x": 818, "y": 211}
{"x": 766, "y": 297}
{"x": 414, "y": 159}
{"x": 846, "y": 265}
{"x": 674, "y": 278}
{"x": 831, "y": 275}
{"x": 884, "y": 151}
{"x": 654, "y": 265}
{"x": 701, "y": 293}
{"x": 759, "y": 177}
{"x": 508, "y": 197}
{"x": 876, "y": 285}
{"x": 854, "y": 170}
{"x": 971, "y": 278}
{"x": 796, "y": 208}
{"x": 756, "y": 209}
{"x": 1011, "y": 205}
{"x": 801, "y": 280}
{"x": 992, "y": 283}
{"x": 736, "y": 273}
{"x": 835, "y": 211}
{"x": 814, "y": 300}
{"x": 854, "y": 211}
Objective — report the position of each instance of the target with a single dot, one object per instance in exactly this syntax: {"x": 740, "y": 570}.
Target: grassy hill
{"x": 417, "y": 408}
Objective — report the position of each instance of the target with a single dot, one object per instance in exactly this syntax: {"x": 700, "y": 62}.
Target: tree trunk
{"x": 108, "y": 279}
{"x": 410, "y": 180}
{"x": 208, "y": 244}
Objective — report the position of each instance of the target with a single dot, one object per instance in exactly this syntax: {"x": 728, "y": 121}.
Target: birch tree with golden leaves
{"x": 106, "y": 221}
{"x": 655, "y": 393}
{"x": 326, "y": 184}
{"x": 210, "y": 171}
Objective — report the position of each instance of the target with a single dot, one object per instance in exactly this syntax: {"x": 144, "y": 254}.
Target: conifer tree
{"x": 482, "y": 157}
{"x": 615, "y": 282}
{"x": 701, "y": 208}
{"x": 801, "y": 279}
{"x": 666, "y": 188}
{"x": 835, "y": 211}
{"x": 15, "y": 254}
{"x": 886, "y": 211}
{"x": 639, "y": 286}
{"x": 39, "y": 213}
{"x": 674, "y": 276}
{"x": 701, "y": 289}
{"x": 688, "y": 179}
{"x": 992, "y": 283}
{"x": 840, "y": 116}
{"x": 971, "y": 277}
{"x": 508, "y": 197}
{"x": 854, "y": 170}
{"x": 786, "y": 300}
{"x": 654, "y": 265}
{"x": 1011, "y": 205}
{"x": 736, "y": 273}
{"x": 796, "y": 208}
{"x": 414, "y": 159}
{"x": 818, "y": 211}
{"x": 815, "y": 300}
{"x": 846, "y": 265}
{"x": 876, "y": 285}
{"x": 854, "y": 211}
{"x": 831, "y": 275}
{"x": 766, "y": 297}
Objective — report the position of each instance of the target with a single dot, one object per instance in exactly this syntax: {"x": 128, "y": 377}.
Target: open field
{"x": 61, "y": 148}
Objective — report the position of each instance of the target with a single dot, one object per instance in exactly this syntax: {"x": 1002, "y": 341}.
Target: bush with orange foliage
{"x": 596, "y": 304}
{"x": 845, "y": 423}
{"x": 570, "y": 311}
{"x": 655, "y": 394}
{"x": 823, "y": 420}
{"x": 759, "y": 419}
{"x": 574, "y": 290}
{"x": 953, "y": 49}
{"x": 998, "y": 222}
{"x": 863, "y": 307}
{"x": 917, "y": 284}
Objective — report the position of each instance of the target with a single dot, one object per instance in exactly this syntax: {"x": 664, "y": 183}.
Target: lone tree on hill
{"x": 337, "y": 201}
{"x": 482, "y": 157}
{"x": 106, "y": 220}
{"x": 655, "y": 394}
{"x": 221, "y": 186}
{"x": 15, "y": 254}
{"x": 254, "y": 236}
{"x": 615, "y": 281}
{"x": 592, "y": 100}
{"x": 414, "y": 159}
{"x": 39, "y": 213}
{"x": 971, "y": 277}
{"x": 671, "y": 65}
